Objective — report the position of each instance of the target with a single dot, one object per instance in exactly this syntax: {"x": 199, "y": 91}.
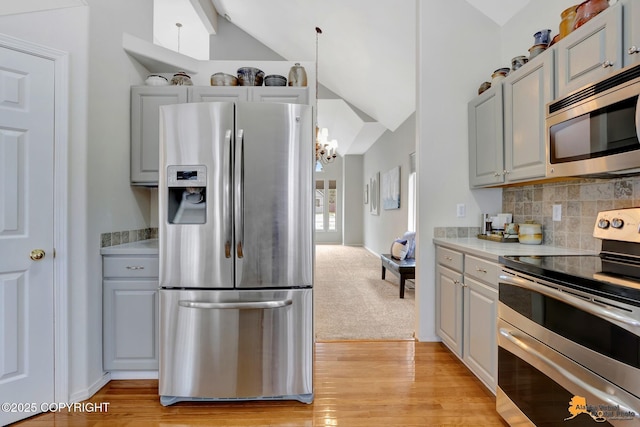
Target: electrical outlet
{"x": 557, "y": 212}
{"x": 460, "y": 210}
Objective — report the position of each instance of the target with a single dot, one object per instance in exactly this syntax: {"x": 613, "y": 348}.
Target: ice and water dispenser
{"x": 187, "y": 198}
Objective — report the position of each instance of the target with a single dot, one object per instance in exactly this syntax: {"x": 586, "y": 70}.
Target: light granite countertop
{"x": 141, "y": 247}
{"x": 492, "y": 250}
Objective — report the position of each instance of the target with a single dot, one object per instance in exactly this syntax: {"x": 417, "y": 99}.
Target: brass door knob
{"x": 36, "y": 254}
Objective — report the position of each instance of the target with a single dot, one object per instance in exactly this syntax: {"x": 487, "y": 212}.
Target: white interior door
{"x": 26, "y": 232}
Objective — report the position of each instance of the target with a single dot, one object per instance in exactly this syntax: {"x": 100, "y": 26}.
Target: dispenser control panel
{"x": 186, "y": 176}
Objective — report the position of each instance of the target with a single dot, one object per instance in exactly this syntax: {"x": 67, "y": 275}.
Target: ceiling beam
{"x": 207, "y": 14}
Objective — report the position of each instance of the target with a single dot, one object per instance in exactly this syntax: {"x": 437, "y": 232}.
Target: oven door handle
{"x": 529, "y": 346}
{"x": 600, "y": 311}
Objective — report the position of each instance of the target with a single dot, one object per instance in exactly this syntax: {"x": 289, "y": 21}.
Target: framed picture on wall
{"x": 374, "y": 194}
{"x": 390, "y": 194}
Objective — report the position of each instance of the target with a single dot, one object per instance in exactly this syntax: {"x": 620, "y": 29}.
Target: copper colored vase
{"x": 588, "y": 9}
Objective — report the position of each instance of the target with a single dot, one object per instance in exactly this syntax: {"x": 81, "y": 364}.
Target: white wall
{"x": 353, "y": 200}
{"x": 458, "y": 49}
{"x": 100, "y": 197}
{"x": 113, "y": 204}
{"x": 70, "y": 34}
{"x": 390, "y": 150}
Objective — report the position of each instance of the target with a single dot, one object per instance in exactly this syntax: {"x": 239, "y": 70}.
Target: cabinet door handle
{"x": 135, "y": 267}
{"x": 607, "y": 64}
{"x": 633, "y": 50}
{"x": 481, "y": 270}
{"x": 448, "y": 258}
{"x": 497, "y": 174}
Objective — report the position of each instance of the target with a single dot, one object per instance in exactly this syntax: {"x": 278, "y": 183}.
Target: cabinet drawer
{"x": 483, "y": 270}
{"x": 130, "y": 266}
{"x": 449, "y": 258}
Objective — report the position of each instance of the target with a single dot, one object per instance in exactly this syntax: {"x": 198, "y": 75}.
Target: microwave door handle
{"x": 638, "y": 119}
{"x": 602, "y": 312}
{"x": 530, "y": 349}
{"x": 228, "y": 195}
{"x": 239, "y": 196}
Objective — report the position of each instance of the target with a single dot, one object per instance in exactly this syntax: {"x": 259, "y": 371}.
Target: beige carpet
{"x": 353, "y": 302}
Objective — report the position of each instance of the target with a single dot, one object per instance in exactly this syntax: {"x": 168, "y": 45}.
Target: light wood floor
{"x": 357, "y": 383}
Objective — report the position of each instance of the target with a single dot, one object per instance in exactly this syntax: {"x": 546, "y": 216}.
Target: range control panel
{"x": 619, "y": 224}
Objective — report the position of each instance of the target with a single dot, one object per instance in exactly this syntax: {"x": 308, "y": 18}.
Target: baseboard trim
{"x": 85, "y": 394}
{"x": 134, "y": 375}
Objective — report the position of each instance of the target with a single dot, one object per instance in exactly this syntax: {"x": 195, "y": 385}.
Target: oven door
{"x": 562, "y": 356}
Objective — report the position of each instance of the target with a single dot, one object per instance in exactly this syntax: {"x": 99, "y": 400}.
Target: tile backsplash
{"x": 580, "y": 201}
{"x": 127, "y": 236}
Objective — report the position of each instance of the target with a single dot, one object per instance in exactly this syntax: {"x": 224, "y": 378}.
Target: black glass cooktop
{"x": 616, "y": 279}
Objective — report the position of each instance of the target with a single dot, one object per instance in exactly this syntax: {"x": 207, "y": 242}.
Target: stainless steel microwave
{"x": 595, "y": 130}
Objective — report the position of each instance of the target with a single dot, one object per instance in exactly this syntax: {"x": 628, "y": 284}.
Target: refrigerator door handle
{"x": 239, "y": 187}
{"x": 227, "y": 207}
{"x": 251, "y": 305}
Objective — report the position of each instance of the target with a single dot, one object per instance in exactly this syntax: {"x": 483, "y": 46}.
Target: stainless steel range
{"x": 569, "y": 332}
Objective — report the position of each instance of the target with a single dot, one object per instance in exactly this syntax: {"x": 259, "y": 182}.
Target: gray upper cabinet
{"x": 145, "y": 116}
{"x": 631, "y": 45}
{"x": 591, "y": 52}
{"x": 145, "y": 128}
{"x": 289, "y": 95}
{"x": 486, "y": 158}
{"x": 526, "y": 92}
{"x": 218, "y": 93}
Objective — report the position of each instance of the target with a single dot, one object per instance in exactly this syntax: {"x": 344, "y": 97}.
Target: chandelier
{"x": 326, "y": 151}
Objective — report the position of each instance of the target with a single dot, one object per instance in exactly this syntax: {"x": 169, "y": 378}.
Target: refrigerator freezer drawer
{"x": 236, "y": 344}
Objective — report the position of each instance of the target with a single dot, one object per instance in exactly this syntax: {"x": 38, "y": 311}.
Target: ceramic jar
{"x": 156, "y": 80}
{"x": 181, "y": 79}
{"x": 542, "y": 37}
{"x": 588, "y": 9}
{"x": 518, "y": 62}
{"x": 297, "y": 75}
{"x": 530, "y": 233}
{"x": 568, "y": 17}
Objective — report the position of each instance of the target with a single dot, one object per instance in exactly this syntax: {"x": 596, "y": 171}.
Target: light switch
{"x": 557, "y": 212}
{"x": 460, "y": 210}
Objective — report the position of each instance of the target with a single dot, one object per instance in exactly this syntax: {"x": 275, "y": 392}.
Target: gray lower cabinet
{"x": 449, "y": 298}
{"x": 130, "y": 313}
{"x": 480, "y": 319}
{"x": 466, "y": 311}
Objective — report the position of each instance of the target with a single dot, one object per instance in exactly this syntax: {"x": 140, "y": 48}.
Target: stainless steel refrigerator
{"x": 236, "y": 252}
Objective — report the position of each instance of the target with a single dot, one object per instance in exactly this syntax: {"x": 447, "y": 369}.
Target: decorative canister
{"x": 542, "y": 37}
{"x": 568, "y": 17}
{"x": 156, "y": 80}
{"x": 518, "y": 62}
{"x": 587, "y": 10}
{"x": 297, "y": 75}
{"x": 530, "y": 233}
{"x": 181, "y": 78}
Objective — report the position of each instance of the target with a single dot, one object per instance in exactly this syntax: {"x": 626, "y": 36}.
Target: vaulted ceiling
{"x": 366, "y": 53}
